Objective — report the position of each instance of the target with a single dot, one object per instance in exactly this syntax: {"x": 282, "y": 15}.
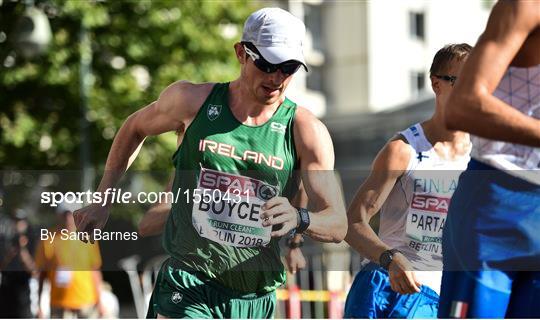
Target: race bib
{"x": 230, "y": 207}
{"x": 63, "y": 277}
{"x": 425, "y": 223}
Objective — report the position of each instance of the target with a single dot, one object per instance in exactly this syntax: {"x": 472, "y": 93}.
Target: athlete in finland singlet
{"x": 414, "y": 214}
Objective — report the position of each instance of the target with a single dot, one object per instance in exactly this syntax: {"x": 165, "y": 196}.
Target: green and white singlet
{"x": 217, "y": 231}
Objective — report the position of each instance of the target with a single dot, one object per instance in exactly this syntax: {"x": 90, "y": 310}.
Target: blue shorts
{"x": 490, "y": 294}
{"x": 491, "y": 247}
{"x": 371, "y": 296}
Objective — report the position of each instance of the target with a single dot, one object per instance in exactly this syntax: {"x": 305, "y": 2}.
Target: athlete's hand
{"x": 295, "y": 260}
{"x": 279, "y": 211}
{"x": 402, "y": 277}
{"x": 89, "y": 218}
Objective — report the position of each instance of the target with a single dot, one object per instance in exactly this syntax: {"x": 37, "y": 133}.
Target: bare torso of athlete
{"x": 528, "y": 55}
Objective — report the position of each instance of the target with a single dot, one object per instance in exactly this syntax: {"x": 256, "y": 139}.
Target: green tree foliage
{"x": 138, "y": 48}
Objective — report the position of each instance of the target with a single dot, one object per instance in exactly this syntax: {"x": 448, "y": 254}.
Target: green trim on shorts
{"x": 180, "y": 294}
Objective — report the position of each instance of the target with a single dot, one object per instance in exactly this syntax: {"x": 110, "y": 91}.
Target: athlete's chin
{"x": 270, "y": 97}
{"x": 270, "y": 101}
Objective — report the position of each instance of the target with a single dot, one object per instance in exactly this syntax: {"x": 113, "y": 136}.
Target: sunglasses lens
{"x": 265, "y": 66}
{"x": 287, "y": 68}
{"x": 290, "y": 68}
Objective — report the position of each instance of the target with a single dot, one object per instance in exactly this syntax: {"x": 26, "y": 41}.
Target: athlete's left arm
{"x": 294, "y": 257}
{"x": 328, "y": 220}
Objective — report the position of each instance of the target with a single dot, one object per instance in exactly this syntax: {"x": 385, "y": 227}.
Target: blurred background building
{"x": 370, "y": 56}
{"x": 369, "y": 66}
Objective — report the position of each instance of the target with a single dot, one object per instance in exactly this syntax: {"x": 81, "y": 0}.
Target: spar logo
{"x": 430, "y": 203}
{"x": 241, "y": 185}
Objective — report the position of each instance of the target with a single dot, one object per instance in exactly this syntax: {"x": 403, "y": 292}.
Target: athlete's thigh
{"x": 255, "y": 308}
{"x": 370, "y": 295}
{"x": 179, "y": 294}
{"x": 421, "y": 305}
{"x": 525, "y": 296}
{"x": 188, "y": 308}
{"x": 475, "y": 294}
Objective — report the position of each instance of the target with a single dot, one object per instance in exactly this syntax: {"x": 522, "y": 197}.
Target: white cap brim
{"x": 277, "y": 55}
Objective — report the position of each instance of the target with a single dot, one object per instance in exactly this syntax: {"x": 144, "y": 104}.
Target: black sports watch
{"x": 386, "y": 258}
{"x": 303, "y": 220}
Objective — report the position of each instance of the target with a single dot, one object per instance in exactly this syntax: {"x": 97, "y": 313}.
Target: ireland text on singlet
{"x": 238, "y": 168}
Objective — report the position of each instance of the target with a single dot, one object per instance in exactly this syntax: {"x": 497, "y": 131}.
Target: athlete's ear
{"x": 240, "y": 53}
{"x": 435, "y": 85}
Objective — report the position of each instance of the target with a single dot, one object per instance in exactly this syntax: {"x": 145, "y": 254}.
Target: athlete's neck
{"x": 246, "y": 108}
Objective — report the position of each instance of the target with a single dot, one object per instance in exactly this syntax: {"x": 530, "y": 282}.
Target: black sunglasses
{"x": 287, "y": 67}
{"x": 451, "y": 79}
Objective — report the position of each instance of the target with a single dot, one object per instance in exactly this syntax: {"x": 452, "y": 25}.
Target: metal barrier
{"x": 141, "y": 284}
{"x": 293, "y": 298}
{"x": 320, "y": 290}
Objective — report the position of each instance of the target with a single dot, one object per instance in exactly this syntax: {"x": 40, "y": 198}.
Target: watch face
{"x": 386, "y": 258}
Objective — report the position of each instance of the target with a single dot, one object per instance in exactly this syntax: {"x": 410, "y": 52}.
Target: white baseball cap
{"x": 277, "y": 34}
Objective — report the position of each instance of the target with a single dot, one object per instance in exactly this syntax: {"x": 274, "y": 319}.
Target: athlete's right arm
{"x": 173, "y": 111}
{"x": 388, "y": 166}
{"x": 472, "y": 106}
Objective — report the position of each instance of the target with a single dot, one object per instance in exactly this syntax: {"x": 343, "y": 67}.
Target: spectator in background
{"x": 72, "y": 268}
{"x": 16, "y": 265}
